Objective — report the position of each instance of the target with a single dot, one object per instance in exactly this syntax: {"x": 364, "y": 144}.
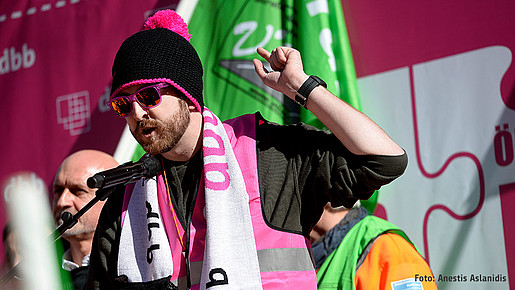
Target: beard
{"x": 83, "y": 226}
{"x": 167, "y": 133}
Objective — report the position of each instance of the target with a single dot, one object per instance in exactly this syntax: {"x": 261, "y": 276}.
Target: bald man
{"x": 71, "y": 193}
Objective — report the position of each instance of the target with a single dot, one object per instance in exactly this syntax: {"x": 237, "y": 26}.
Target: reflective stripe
{"x": 181, "y": 283}
{"x": 270, "y": 260}
{"x": 195, "y": 275}
{"x": 195, "y": 272}
{"x": 285, "y": 259}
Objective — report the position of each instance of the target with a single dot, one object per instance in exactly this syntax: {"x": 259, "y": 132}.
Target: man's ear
{"x": 192, "y": 107}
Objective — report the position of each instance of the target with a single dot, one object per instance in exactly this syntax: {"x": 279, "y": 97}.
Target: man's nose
{"x": 138, "y": 111}
{"x": 65, "y": 200}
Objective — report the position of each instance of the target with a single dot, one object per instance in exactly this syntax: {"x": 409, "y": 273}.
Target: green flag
{"x": 227, "y": 33}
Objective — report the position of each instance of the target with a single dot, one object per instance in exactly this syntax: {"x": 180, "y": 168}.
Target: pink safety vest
{"x": 285, "y": 259}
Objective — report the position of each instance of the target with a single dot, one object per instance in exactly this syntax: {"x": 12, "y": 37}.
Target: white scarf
{"x": 230, "y": 256}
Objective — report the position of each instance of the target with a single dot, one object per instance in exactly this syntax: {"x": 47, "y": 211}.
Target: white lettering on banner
{"x": 16, "y": 14}
{"x": 248, "y": 28}
{"x": 317, "y": 7}
{"x": 326, "y": 40}
{"x": 102, "y": 102}
{"x": 46, "y": 7}
{"x": 73, "y": 111}
{"x": 12, "y": 60}
{"x": 326, "y": 36}
{"x": 33, "y": 10}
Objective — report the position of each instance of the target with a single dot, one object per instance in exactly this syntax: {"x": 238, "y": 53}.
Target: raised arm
{"x": 358, "y": 133}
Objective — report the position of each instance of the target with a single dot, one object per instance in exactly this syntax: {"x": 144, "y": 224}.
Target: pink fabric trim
{"x": 171, "y": 230}
{"x": 158, "y": 80}
{"x": 287, "y": 280}
{"x": 126, "y": 198}
{"x": 198, "y": 226}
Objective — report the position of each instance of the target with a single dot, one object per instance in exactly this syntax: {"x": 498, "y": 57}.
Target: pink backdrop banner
{"x": 55, "y": 75}
{"x": 439, "y": 77}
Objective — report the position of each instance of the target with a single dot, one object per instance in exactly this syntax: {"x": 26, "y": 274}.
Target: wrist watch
{"x": 301, "y": 97}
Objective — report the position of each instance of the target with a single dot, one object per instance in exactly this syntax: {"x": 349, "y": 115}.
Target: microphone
{"x": 126, "y": 173}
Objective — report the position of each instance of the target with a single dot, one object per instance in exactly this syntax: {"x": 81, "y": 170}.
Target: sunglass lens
{"x": 121, "y": 106}
{"x": 148, "y": 97}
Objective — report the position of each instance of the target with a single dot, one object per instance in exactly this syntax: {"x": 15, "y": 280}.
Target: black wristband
{"x": 301, "y": 97}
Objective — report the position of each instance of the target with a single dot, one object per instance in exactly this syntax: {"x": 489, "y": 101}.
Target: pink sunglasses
{"x": 147, "y": 97}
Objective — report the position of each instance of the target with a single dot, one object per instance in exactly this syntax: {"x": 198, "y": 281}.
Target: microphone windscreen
{"x": 154, "y": 166}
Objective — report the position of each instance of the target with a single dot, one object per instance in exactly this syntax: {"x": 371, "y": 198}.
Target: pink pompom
{"x": 168, "y": 19}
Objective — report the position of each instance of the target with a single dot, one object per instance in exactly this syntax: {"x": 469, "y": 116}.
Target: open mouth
{"x": 148, "y": 131}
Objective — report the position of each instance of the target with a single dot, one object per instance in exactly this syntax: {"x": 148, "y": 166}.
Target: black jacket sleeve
{"x": 301, "y": 168}
{"x": 104, "y": 252}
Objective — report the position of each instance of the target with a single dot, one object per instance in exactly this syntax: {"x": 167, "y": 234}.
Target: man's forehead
{"x": 76, "y": 174}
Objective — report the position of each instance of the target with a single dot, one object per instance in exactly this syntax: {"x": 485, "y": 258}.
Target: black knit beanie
{"x": 160, "y": 55}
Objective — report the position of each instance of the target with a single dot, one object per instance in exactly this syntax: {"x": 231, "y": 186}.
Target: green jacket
{"x": 339, "y": 269}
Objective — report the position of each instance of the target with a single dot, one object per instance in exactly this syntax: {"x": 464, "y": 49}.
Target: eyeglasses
{"x": 147, "y": 97}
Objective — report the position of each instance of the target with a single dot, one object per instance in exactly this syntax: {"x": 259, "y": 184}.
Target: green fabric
{"x": 339, "y": 269}
{"x": 66, "y": 280}
{"x": 138, "y": 153}
{"x": 326, "y": 52}
{"x": 227, "y": 33}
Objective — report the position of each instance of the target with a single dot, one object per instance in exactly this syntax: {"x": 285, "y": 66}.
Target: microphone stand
{"x": 69, "y": 221}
